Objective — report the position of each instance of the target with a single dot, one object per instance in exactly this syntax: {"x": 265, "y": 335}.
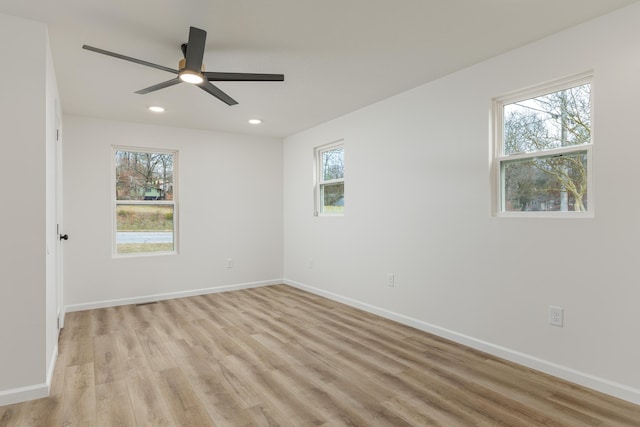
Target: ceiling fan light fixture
{"x": 191, "y": 69}
{"x": 188, "y": 76}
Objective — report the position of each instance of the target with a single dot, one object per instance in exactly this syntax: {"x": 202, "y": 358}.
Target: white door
{"x": 59, "y": 225}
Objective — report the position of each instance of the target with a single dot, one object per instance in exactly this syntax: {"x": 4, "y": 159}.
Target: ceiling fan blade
{"x": 208, "y": 87}
{"x": 213, "y": 76}
{"x": 195, "y": 49}
{"x": 159, "y": 86}
{"x": 128, "y": 58}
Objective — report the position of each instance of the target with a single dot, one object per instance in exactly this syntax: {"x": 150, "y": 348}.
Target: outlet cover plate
{"x": 556, "y": 316}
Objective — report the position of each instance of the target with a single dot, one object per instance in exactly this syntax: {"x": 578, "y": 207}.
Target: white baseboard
{"x": 37, "y": 391}
{"x": 165, "y": 296}
{"x": 22, "y": 394}
{"x": 603, "y": 385}
{"x": 60, "y": 317}
{"x": 52, "y": 367}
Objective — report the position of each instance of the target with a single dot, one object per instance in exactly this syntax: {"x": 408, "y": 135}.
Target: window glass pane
{"x": 332, "y": 197}
{"x": 555, "y": 120}
{"x": 333, "y": 164}
{"x": 144, "y": 228}
{"x": 144, "y": 176}
{"x": 554, "y": 183}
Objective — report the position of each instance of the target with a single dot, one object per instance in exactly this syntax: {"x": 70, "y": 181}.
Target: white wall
{"x": 418, "y": 205}
{"x": 230, "y": 206}
{"x": 23, "y": 261}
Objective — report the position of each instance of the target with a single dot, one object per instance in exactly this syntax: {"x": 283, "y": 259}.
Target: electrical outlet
{"x": 229, "y": 262}
{"x": 391, "y": 280}
{"x": 556, "y": 316}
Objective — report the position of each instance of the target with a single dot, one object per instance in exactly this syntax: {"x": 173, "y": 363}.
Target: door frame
{"x": 59, "y": 225}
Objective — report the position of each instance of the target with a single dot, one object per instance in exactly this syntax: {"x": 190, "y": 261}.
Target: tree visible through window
{"x": 330, "y": 179}
{"x": 144, "y": 202}
{"x": 545, "y": 150}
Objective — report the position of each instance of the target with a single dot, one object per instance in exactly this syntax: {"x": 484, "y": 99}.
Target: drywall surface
{"x": 23, "y": 252}
{"x": 229, "y": 206}
{"x": 418, "y": 204}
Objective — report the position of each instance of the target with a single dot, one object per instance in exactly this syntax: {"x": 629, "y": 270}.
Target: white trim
{"x": 603, "y": 385}
{"x": 497, "y": 145}
{"x": 318, "y": 180}
{"x": 23, "y": 394}
{"x": 554, "y": 152}
{"x": 169, "y": 295}
{"x": 37, "y": 391}
{"x": 61, "y": 314}
{"x": 173, "y": 202}
{"x": 52, "y": 367}
{"x": 546, "y": 88}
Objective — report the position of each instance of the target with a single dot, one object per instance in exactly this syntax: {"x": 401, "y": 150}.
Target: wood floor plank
{"x": 219, "y": 343}
{"x": 113, "y": 406}
{"x": 261, "y": 358}
{"x": 357, "y": 404}
{"x": 183, "y": 403}
{"x": 78, "y": 406}
{"x": 104, "y": 321}
{"x": 10, "y": 414}
{"x": 280, "y": 356}
{"x": 266, "y": 416}
{"x": 107, "y": 364}
{"x": 519, "y": 387}
{"x": 421, "y": 412}
{"x": 226, "y": 399}
{"x": 597, "y": 408}
{"x": 154, "y": 349}
{"x": 76, "y": 339}
{"x": 128, "y": 344}
{"x": 168, "y": 328}
{"x": 149, "y": 408}
{"x": 285, "y": 400}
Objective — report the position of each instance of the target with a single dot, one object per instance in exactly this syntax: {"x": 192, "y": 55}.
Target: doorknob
{"x": 64, "y": 237}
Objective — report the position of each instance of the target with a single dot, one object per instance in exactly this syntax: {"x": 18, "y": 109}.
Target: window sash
{"x": 116, "y": 203}
{"x": 547, "y": 194}
{"x": 499, "y": 158}
{"x": 320, "y": 182}
{"x": 545, "y": 153}
{"x": 332, "y": 181}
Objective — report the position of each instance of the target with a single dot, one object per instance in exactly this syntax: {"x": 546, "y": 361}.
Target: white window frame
{"x": 115, "y": 202}
{"x": 499, "y": 158}
{"x": 319, "y": 178}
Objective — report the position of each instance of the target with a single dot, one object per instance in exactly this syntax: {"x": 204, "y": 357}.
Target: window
{"x": 144, "y": 201}
{"x": 330, "y": 179}
{"x": 543, "y": 146}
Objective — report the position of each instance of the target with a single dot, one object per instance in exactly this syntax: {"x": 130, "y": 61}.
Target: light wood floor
{"x": 278, "y": 356}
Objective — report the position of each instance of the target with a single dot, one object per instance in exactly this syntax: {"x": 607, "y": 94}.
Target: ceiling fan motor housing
{"x": 183, "y": 63}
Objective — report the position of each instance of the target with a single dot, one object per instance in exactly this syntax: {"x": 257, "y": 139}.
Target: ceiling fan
{"x": 191, "y": 70}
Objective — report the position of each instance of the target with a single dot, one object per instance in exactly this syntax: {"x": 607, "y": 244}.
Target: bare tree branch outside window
{"x": 144, "y": 202}
{"x": 547, "y": 182}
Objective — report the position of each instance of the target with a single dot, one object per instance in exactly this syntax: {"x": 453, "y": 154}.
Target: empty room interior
{"x": 342, "y": 213}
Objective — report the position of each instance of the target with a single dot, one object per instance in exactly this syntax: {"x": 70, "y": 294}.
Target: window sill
{"x": 546, "y": 214}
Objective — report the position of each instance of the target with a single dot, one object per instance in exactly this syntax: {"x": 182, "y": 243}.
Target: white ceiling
{"x": 337, "y": 55}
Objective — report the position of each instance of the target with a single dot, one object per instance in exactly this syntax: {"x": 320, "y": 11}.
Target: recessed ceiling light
{"x": 156, "y": 109}
{"x": 255, "y": 121}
